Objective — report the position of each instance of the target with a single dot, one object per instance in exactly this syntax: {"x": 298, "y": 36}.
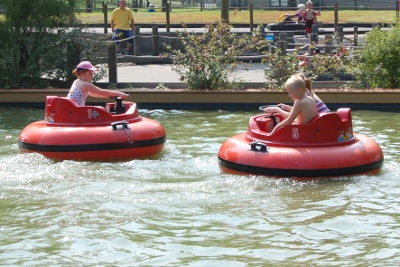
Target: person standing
{"x": 299, "y": 13}
{"x": 309, "y": 16}
{"x": 122, "y": 24}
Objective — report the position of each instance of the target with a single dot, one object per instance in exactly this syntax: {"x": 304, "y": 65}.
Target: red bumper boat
{"x": 324, "y": 147}
{"x": 92, "y": 133}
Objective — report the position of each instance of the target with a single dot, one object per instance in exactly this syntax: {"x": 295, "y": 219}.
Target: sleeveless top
{"x": 322, "y": 108}
{"x": 78, "y": 96}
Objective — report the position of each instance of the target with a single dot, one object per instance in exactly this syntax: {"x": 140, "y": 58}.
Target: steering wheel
{"x": 119, "y": 107}
{"x": 272, "y": 116}
{"x": 262, "y": 108}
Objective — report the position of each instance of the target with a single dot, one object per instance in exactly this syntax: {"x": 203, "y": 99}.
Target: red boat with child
{"x": 115, "y": 132}
{"x": 324, "y": 147}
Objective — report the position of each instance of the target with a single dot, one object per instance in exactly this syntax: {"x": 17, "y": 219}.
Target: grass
{"x": 195, "y": 16}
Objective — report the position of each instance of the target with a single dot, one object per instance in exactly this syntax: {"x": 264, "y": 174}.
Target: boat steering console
{"x": 119, "y": 107}
{"x": 272, "y": 116}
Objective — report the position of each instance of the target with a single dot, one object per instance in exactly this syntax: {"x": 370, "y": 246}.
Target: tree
{"x": 37, "y": 42}
{"x": 23, "y": 14}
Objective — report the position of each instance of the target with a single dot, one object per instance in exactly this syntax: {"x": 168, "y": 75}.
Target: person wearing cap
{"x": 122, "y": 24}
{"x": 299, "y": 13}
{"x": 82, "y": 87}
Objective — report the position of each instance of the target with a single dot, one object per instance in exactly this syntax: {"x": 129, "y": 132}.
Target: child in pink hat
{"x": 81, "y": 88}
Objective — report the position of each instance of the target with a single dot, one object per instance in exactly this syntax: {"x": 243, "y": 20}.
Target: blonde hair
{"x": 295, "y": 82}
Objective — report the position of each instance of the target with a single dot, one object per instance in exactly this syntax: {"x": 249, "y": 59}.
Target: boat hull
{"x": 362, "y": 156}
{"x": 92, "y": 133}
{"x": 325, "y": 147}
{"x": 286, "y": 26}
{"x": 101, "y": 143}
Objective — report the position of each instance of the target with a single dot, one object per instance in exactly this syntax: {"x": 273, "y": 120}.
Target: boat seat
{"x": 345, "y": 115}
{"x": 63, "y": 110}
{"x": 324, "y": 128}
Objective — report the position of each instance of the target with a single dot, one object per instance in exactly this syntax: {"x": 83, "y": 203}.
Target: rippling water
{"x": 180, "y": 210}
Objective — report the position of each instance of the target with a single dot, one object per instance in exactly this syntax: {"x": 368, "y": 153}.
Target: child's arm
{"x": 291, "y": 118}
{"x": 272, "y": 110}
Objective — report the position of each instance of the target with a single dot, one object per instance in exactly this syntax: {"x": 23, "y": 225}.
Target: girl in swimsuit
{"x": 321, "y": 107}
{"x": 82, "y": 87}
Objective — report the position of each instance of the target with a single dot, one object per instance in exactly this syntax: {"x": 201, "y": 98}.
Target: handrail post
{"x": 168, "y": 20}
{"x": 251, "y": 18}
{"x": 136, "y": 47}
{"x": 355, "y": 35}
{"x": 340, "y": 34}
{"x": 283, "y": 36}
{"x": 105, "y": 17}
{"x": 155, "y": 40}
{"x": 328, "y": 43}
{"x": 314, "y": 32}
{"x": 310, "y": 52}
{"x": 282, "y": 47}
{"x": 112, "y": 64}
{"x": 336, "y": 12}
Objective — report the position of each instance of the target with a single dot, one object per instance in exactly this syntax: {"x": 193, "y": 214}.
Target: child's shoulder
{"x": 305, "y": 100}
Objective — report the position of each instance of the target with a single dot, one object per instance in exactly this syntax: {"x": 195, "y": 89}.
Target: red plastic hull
{"x": 326, "y": 147}
{"x": 97, "y": 143}
{"x": 362, "y": 156}
{"x": 92, "y": 133}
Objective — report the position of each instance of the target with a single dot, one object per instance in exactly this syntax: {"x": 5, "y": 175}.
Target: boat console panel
{"x": 63, "y": 110}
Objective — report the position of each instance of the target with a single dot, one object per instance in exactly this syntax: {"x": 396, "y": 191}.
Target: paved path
{"x": 163, "y": 73}
{"x": 153, "y": 75}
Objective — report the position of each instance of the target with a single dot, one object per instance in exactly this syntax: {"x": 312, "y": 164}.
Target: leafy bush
{"x": 206, "y": 61}
{"x": 376, "y": 65}
{"x": 281, "y": 67}
{"x": 37, "y": 47}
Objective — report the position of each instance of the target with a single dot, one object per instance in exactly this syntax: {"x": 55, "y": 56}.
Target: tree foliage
{"x": 23, "y": 14}
{"x": 376, "y": 65}
{"x": 40, "y": 40}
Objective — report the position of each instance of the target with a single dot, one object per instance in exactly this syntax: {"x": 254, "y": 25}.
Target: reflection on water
{"x": 180, "y": 210}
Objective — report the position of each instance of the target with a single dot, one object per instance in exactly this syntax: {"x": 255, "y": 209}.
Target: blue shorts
{"x": 123, "y": 34}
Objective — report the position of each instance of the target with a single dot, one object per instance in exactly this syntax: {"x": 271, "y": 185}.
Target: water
{"x": 180, "y": 210}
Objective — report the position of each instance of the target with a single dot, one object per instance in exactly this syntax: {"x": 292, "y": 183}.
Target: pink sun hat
{"x": 86, "y": 65}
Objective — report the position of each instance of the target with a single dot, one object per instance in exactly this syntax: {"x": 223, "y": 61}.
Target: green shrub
{"x": 376, "y": 65}
{"x": 207, "y": 61}
{"x": 280, "y": 67}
